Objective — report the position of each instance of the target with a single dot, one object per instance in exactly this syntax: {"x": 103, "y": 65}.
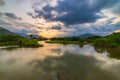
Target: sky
{"x": 59, "y": 18}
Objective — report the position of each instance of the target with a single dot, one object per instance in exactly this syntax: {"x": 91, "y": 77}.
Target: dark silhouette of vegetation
{"x": 8, "y": 40}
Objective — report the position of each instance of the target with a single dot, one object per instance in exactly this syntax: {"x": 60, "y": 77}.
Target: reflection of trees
{"x": 72, "y": 67}
{"x": 81, "y": 45}
{"x": 113, "y": 52}
{"x": 99, "y": 50}
{"x": 10, "y": 48}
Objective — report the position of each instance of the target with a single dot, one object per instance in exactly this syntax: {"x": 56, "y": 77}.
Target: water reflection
{"x": 113, "y": 52}
{"x": 9, "y": 48}
{"x": 74, "y": 67}
{"x": 58, "y": 62}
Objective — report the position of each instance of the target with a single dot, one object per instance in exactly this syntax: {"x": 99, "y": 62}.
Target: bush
{"x": 113, "y": 45}
{"x": 8, "y": 40}
{"x": 101, "y": 43}
{"x": 111, "y": 41}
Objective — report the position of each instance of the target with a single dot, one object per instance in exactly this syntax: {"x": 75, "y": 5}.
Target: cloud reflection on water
{"x": 68, "y": 61}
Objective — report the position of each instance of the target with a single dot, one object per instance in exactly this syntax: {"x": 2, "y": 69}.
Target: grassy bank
{"x": 10, "y": 40}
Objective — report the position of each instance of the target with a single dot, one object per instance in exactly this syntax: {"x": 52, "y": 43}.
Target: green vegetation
{"x": 65, "y": 40}
{"x": 4, "y": 31}
{"x": 12, "y": 39}
{"x": 73, "y": 40}
{"x": 110, "y": 41}
{"x": 113, "y": 52}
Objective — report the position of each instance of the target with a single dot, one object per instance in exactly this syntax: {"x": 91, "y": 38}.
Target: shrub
{"x": 101, "y": 43}
{"x": 18, "y": 40}
{"x": 113, "y": 45}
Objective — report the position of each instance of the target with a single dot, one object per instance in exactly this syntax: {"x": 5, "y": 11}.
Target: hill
{"x": 5, "y": 32}
{"x": 8, "y": 38}
{"x": 13, "y": 39}
{"x": 87, "y": 35}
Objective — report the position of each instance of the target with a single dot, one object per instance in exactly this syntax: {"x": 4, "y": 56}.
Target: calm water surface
{"x": 58, "y": 62}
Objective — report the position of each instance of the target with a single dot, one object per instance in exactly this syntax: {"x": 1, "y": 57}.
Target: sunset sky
{"x": 56, "y": 18}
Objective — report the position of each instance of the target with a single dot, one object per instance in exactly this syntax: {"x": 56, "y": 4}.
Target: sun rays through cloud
{"x": 54, "y": 18}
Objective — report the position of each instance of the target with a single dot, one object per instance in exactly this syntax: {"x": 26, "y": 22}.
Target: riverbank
{"x": 109, "y": 41}
{"x": 16, "y": 40}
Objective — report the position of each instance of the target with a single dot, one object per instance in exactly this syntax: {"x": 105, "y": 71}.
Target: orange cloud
{"x": 49, "y": 33}
{"x": 117, "y": 31}
{"x": 116, "y": 20}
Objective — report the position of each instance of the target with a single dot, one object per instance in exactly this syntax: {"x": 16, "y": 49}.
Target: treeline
{"x": 110, "y": 41}
{"x": 64, "y": 40}
{"x": 12, "y": 39}
{"x": 74, "y": 40}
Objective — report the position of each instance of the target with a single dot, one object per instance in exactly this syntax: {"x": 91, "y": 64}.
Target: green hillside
{"x": 8, "y": 38}
{"x": 4, "y": 31}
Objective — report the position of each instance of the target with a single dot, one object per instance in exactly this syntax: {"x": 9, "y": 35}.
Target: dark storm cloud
{"x": 73, "y": 11}
{"x": 94, "y": 29}
{"x": 13, "y": 16}
{"x": 116, "y": 9}
{"x": 2, "y": 2}
{"x": 57, "y": 27}
{"x": 97, "y": 5}
{"x": 31, "y": 14}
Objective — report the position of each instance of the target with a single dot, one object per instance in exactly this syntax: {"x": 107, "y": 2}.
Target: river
{"x": 58, "y": 62}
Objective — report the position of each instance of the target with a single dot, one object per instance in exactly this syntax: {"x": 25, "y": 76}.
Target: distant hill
{"x": 22, "y": 34}
{"x": 4, "y": 31}
{"x": 87, "y": 35}
{"x": 35, "y": 36}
